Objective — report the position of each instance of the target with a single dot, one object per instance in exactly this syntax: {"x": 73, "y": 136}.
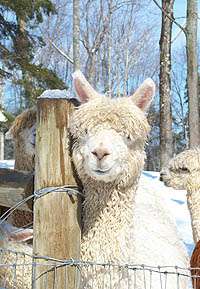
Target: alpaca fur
{"x": 22, "y": 132}
{"x": 108, "y": 153}
{"x": 19, "y": 277}
{"x": 195, "y": 263}
{"x": 183, "y": 172}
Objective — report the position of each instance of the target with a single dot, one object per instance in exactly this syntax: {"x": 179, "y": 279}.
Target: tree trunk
{"x": 109, "y": 39}
{"x": 1, "y": 145}
{"x": 166, "y": 143}
{"x": 1, "y": 133}
{"x": 192, "y": 73}
{"x": 76, "y": 34}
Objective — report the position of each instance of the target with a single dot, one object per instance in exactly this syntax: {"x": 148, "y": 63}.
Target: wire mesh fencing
{"x": 21, "y": 270}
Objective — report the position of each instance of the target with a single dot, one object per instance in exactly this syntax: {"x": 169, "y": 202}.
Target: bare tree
{"x": 1, "y": 132}
{"x": 179, "y": 100}
{"x": 192, "y": 72}
{"x": 94, "y": 34}
{"x": 166, "y": 141}
{"x": 103, "y": 25}
{"x": 76, "y": 34}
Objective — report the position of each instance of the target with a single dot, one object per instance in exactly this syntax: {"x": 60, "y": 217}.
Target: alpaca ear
{"x": 144, "y": 94}
{"x": 82, "y": 87}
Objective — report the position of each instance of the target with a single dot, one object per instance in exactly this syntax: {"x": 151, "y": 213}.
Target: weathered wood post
{"x": 56, "y": 215}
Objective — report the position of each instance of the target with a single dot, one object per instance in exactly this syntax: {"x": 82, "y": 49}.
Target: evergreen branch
{"x": 5, "y": 73}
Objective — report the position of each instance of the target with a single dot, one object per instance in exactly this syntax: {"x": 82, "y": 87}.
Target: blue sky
{"x": 179, "y": 12}
{"x": 180, "y": 7}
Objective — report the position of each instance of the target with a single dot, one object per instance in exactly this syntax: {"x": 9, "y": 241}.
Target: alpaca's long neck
{"x": 193, "y": 200}
{"x": 23, "y": 162}
{"x": 108, "y": 223}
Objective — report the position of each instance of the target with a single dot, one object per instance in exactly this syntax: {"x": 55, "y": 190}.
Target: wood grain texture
{"x": 56, "y": 215}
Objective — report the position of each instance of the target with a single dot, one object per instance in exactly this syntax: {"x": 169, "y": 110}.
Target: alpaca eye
{"x": 184, "y": 169}
{"x": 128, "y": 140}
{"x": 86, "y": 131}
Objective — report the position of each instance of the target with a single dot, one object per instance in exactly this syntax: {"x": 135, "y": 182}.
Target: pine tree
{"x": 18, "y": 40}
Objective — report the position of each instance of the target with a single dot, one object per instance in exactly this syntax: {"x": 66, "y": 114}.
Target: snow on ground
{"x": 177, "y": 204}
{"x": 175, "y": 200}
{"x": 7, "y": 164}
{"x": 2, "y": 117}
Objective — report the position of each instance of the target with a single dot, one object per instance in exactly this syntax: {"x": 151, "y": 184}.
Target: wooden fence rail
{"x": 14, "y": 187}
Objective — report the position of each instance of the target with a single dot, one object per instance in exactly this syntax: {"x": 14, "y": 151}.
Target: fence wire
{"x": 24, "y": 271}
{"x": 19, "y": 270}
{"x": 70, "y": 190}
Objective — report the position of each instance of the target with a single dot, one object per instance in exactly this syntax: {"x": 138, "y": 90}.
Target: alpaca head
{"x": 182, "y": 169}
{"x": 23, "y": 133}
{"x": 109, "y": 134}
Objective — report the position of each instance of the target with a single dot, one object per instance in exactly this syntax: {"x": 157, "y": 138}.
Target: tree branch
{"x": 172, "y": 19}
{"x": 61, "y": 52}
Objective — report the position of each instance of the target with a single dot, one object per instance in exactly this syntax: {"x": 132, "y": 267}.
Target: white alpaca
{"x": 119, "y": 225}
{"x": 183, "y": 173}
{"x": 22, "y": 132}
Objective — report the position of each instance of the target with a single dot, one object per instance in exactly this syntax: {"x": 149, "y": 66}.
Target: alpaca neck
{"x": 108, "y": 222}
{"x": 193, "y": 200}
{"x": 23, "y": 162}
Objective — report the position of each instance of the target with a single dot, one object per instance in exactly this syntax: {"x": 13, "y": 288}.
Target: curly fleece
{"x": 183, "y": 172}
{"x": 112, "y": 230}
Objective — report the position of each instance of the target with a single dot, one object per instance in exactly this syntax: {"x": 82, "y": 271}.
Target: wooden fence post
{"x": 56, "y": 215}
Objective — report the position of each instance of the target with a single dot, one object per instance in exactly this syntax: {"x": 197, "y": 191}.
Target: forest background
{"x": 116, "y": 44}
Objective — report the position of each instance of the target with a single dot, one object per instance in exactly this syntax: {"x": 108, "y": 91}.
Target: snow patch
{"x": 7, "y": 164}
{"x": 2, "y": 117}
{"x": 56, "y": 94}
{"x": 176, "y": 201}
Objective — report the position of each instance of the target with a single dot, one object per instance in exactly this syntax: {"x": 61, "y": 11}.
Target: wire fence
{"x": 21, "y": 270}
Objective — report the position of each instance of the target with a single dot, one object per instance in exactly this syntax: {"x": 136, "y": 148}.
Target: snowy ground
{"x": 7, "y": 164}
{"x": 175, "y": 199}
{"x": 177, "y": 203}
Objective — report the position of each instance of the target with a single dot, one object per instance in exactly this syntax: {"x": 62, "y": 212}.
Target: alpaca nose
{"x": 100, "y": 153}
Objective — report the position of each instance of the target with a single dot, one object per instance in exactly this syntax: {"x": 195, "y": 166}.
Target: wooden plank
{"x": 14, "y": 187}
{"x": 56, "y": 215}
